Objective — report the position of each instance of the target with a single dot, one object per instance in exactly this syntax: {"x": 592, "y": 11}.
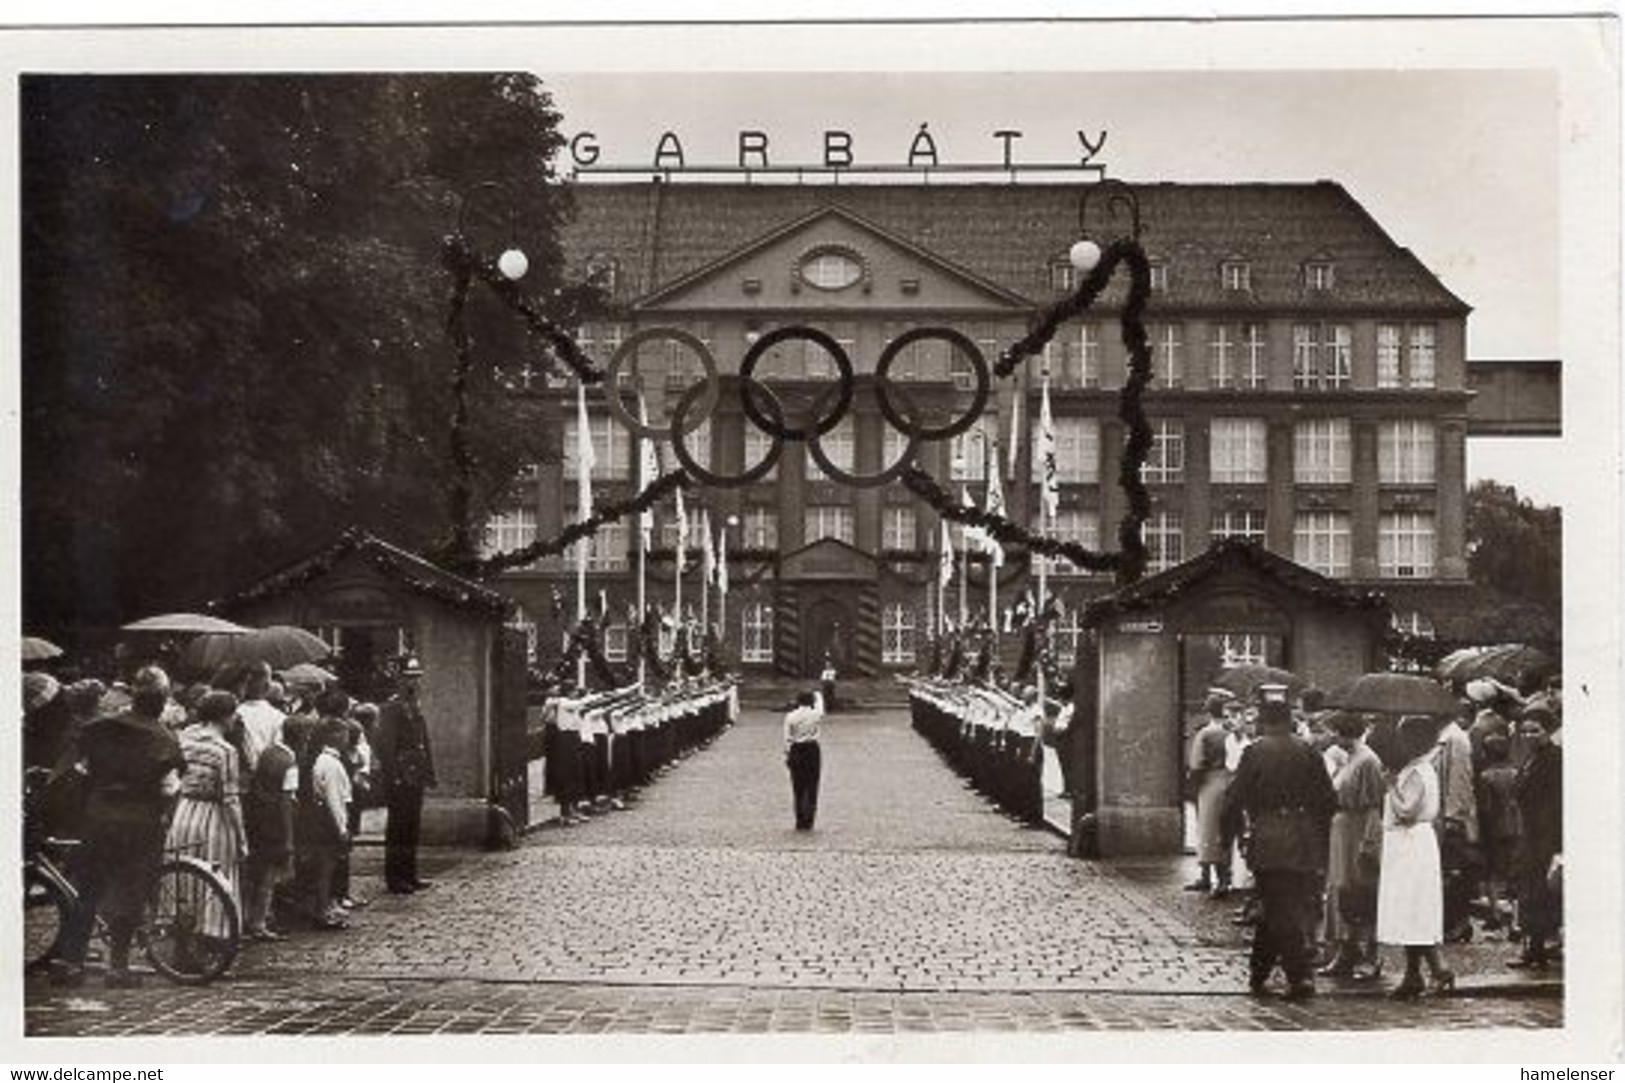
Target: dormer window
{"x": 1319, "y": 275}
{"x": 604, "y": 272}
{"x": 1159, "y": 275}
{"x": 1236, "y": 274}
{"x": 1061, "y": 276}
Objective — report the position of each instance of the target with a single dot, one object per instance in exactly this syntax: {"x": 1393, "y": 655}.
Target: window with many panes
{"x": 698, "y": 444}
{"x": 1320, "y": 540}
{"x": 839, "y": 448}
{"x": 1075, "y": 361}
{"x": 1405, "y": 545}
{"x": 611, "y": 447}
{"x": 1390, "y": 352}
{"x": 1243, "y": 649}
{"x": 1165, "y": 463}
{"x": 1247, "y": 523}
{"x": 1236, "y": 274}
{"x": 1405, "y": 452}
{"x": 1321, "y": 454}
{"x": 758, "y": 445}
{"x": 599, "y": 341}
{"x": 1164, "y": 540}
{"x": 606, "y": 549}
{"x": 1077, "y": 451}
{"x": 1062, "y": 275}
{"x": 1237, "y": 451}
{"x": 1421, "y": 356}
{"x": 760, "y": 527}
{"x": 522, "y": 621}
{"x": 1223, "y": 356}
{"x": 1238, "y": 356}
{"x": 1065, "y": 634}
{"x": 756, "y": 633}
{"x": 1322, "y": 355}
{"x": 1320, "y": 275}
{"x": 615, "y": 641}
{"x": 1159, "y": 275}
{"x": 667, "y": 518}
{"x": 1168, "y": 355}
{"x": 969, "y": 450}
{"x": 893, "y": 446}
{"x": 897, "y": 635}
{"x": 1255, "y": 362}
{"x": 898, "y": 528}
{"x": 507, "y": 530}
{"x": 827, "y": 521}
{"x": 1412, "y": 622}
{"x": 1079, "y": 527}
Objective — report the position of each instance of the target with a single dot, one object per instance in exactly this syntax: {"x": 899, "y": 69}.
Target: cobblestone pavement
{"x": 915, "y": 905}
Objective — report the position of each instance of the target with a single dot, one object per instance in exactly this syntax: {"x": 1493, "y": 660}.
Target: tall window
{"x": 1166, "y": 461}
{"x": 1247, "y": 523}
{"x": 1222, "y": 356}
{"x": 1255, "y": 362}
{"x": 899, "y": 532}
{"x": 1167, "y": 355}
{"x": 1321, "y": 451}
{"x": 1065, "y": 634}
{"x": 838, "y": 447}
{"x": 897, "y": 635}
{"x": 893, "y": 445}
{"x": 1165, "y": 539}
{"x": 828, "y": 521}
{"x": 521, "y": 620}
{"x": 1159, "y": 275}
{"x": 1422, "y": 354}
{"x": 1322, "y": 355}
{"x": 1390, "y": 347}
{"x": 1237, "y": 450}
{"x": 1087, "y": 371}
{"x": 667, "y": 519}
{"x": 611, "y": 447}
{"x": 761, "y": 528}
{"x": 1320, "y": 540}
{"x": 512, "y": 529}
{"x": 1079, "y": 527}
{"x": 968, "y": 450}
{"x": 1077, "y": 451}
{"x": 756, "y": 633}
{"x": 1405, "y": 545}
{"x": 1405, "y": 454}
{"x": 758, "y": 445}
{"x": 606, "y": 550}
{"x": 600, "y": 340}
{"x": 698, "y": 444}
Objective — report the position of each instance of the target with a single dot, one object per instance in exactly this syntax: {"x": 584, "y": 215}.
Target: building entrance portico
{"x": 828, "y": 624}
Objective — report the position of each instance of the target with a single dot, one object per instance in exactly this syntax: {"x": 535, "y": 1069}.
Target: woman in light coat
{"x": 1410, "y": 890}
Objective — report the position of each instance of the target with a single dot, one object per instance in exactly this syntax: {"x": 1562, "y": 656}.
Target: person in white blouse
{"x": 802, "y": 757}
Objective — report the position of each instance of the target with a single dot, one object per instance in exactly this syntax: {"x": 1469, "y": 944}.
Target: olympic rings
{"x": 612, "y": 393}
{"x": 747, "y": 385}
{"x": 864, "y": 481}
{"x": 884, "y": 391}
{"x": 699, "y": 473}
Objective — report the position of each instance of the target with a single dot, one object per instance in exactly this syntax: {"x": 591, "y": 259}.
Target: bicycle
{"x": 185, "y": 895}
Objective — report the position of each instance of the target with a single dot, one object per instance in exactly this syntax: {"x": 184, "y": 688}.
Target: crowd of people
{"x": 1455, "y": 827}
{"x": 266, "y": 781}
{"x": 991, "y": 735}
{"x": 602, "y": 748}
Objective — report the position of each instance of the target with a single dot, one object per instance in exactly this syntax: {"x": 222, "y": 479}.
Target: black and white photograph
{"x": 926, "y": 537}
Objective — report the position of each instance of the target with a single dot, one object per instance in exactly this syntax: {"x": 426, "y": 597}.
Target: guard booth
{"x": 1154, "y": 646}
{"x": 374, "y": 602}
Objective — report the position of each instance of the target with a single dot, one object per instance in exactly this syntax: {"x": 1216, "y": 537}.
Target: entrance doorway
{"x": 828, "y": 630}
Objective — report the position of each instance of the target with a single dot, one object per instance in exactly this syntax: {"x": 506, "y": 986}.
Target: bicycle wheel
{"x": 190, "y": 930}
{"x": 46, "y": 907}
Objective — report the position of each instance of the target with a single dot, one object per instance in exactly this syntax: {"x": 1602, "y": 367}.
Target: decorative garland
{"x": 1129, "y": 561}
{"x": 586, "y": 639}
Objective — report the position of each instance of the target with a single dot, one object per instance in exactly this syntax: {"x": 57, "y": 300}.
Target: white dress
{"x": 1410, "y": 893}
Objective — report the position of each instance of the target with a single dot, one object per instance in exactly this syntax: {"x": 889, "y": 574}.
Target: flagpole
{"x": 705, "y": 574}
{"x": 585, "y": 460}
{"x": 990, "y": 453}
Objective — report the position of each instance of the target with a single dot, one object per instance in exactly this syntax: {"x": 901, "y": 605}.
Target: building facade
{"x": 1310, "y": 392}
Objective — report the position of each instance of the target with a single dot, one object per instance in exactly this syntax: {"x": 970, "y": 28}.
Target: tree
{"x": 1515, "y": 552}
{"x": 234, "y": 310}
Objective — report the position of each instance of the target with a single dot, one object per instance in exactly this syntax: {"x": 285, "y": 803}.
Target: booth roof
{"x": 1167, "y": 586}
{"x": 400, "y": 565}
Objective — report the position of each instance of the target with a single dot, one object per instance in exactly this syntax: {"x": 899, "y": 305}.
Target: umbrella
{"x": 39, "y": 650}
{"x": 1393, "y": 749}
{"x": 1395, "y": 694}
{"x": 1458, "y": 664}
{"x": 280, "y": 646}
{"x": 1516, "y": 664}
{"x": 187, "y": 624}
{"x": 1243, "y": 680}
{"x": 308, "y": 673}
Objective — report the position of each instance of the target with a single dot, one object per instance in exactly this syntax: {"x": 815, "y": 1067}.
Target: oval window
{"x": 831, "y": 270}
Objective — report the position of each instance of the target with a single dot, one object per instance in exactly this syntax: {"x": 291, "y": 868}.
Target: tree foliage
{"x": 234, "y": 338}
{"x": 1515, "y": 553}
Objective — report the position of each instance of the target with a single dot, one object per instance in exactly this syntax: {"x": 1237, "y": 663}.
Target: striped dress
{"x": 208, "y": 816}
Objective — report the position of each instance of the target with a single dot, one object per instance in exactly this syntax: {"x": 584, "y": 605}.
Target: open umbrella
{"x": 187, "y": 624}
{"x": 308, "y": 673}
{"x": 1243, "y": 680}
{"x": 36, "y": 649}
{"x": 1459, "y": 665}
{"x": 1394, "y": 694}
{"x": 280, "y": 646}
{"x": 1517, "y": 664}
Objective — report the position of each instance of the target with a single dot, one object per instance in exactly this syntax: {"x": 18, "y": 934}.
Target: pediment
{"x": 774, "y": 270}
{"x": 827, "y": 558}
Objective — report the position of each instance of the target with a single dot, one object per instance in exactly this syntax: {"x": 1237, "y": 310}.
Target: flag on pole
{"x": 708, "y": 556}
{"x": 1015, "y": 433}
{"x": 1050, "y": 484}
{"x": 995, "y": 506}
{"x": 682, "y": 533}
{"x": 945, "y": 558}
{"x": 648, "y": 470}
{"x": 722, "y": 564}
{"x": 585, "y": 459}
{"x": 972, "y": 535}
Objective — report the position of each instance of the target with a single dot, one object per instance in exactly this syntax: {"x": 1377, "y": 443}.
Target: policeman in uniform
{"x": 1282, "y": 791}
{"x": 407, "y": 770}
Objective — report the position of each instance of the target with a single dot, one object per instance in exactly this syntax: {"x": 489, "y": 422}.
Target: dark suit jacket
{"x": 1282, "y": 789}
{"x": 404, "y": 754}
